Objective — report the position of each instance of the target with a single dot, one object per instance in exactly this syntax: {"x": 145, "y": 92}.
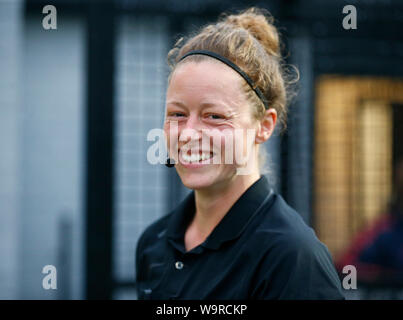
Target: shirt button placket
{"x": 178, "y": 266}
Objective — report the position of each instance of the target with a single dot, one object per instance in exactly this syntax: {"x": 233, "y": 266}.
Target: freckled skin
{"x": 193, "y": 84}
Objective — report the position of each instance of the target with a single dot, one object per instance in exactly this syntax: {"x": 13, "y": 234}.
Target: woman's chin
{"x": 198, "y": 179}
{"x": 195, "y": 182}
{"x": 208, "y": 177}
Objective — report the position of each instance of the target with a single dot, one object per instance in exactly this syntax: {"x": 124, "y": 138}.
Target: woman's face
{"x": 207, "y": 102}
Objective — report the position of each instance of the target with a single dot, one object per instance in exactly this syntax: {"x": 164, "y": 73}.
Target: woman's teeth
{"x": 196, "y": 157}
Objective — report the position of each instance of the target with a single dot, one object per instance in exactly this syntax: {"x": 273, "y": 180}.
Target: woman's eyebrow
{"x": 204, "y": 105}
{"x": 176, "y": 103}
{"x": 222, "y": 106}
{"x": 210, "y": 104}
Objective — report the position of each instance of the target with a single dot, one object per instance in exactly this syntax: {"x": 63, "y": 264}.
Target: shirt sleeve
{"x": 299, "y": 268}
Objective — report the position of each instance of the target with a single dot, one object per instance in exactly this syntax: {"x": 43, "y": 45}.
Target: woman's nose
{"x": 192, "y": 128}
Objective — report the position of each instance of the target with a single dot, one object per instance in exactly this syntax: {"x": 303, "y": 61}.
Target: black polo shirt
{"x": 261, "y": 249}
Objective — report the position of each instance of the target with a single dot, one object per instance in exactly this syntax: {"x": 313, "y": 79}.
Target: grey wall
{"x": 51, "y": 158}
{"x": 10, "y": 44}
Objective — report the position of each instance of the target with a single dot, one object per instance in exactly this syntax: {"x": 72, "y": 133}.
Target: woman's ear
{"x": 266, "y": 125}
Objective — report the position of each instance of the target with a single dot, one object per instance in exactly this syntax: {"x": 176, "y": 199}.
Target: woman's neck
{"x": 213, "y": 204}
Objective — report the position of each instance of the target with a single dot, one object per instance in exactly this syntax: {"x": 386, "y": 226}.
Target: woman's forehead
{"x": 205, "y": 79}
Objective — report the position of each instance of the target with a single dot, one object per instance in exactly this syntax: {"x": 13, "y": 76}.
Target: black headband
{"x": 233, "y": 66}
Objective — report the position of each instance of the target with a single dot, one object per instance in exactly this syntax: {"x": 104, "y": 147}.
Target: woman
{"x": 232, "y": 237}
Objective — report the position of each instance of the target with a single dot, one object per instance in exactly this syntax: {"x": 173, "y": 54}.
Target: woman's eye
{"x": 215, "y": 117}
{"x": 176, "y": 114}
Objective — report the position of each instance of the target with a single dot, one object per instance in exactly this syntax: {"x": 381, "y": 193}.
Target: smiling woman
{"x": 232, "y": 237}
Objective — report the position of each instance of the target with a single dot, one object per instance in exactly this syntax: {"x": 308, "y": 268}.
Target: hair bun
{"x": 259, "y": 23}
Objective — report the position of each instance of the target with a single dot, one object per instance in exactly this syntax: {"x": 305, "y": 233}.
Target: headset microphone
{"x": 170, "y": 163}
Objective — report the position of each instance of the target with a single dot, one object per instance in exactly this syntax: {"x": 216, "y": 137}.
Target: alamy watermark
{"x": 350, "y": 280}
{"x": 50, "y": 280}
{"x": 350, "y": 20}
{"x": 206, "y": 146}
{"x": 49, "y": 22}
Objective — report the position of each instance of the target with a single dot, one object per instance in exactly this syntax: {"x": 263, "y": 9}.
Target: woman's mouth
{"x": 197, "y": 157}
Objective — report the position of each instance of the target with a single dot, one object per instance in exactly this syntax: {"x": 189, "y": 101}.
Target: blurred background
{"x": 77, "y": 102}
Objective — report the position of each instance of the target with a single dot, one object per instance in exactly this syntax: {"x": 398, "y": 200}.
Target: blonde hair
{"x": 251, "y": 41}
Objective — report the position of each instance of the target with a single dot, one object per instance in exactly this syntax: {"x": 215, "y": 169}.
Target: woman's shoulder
{"x": 291, "y": 253}
{"x": 283, "y": 227}
{"x": 281, "y": 217}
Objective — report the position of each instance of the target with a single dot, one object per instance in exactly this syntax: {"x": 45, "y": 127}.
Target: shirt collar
{"x": 233, "y": 223}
